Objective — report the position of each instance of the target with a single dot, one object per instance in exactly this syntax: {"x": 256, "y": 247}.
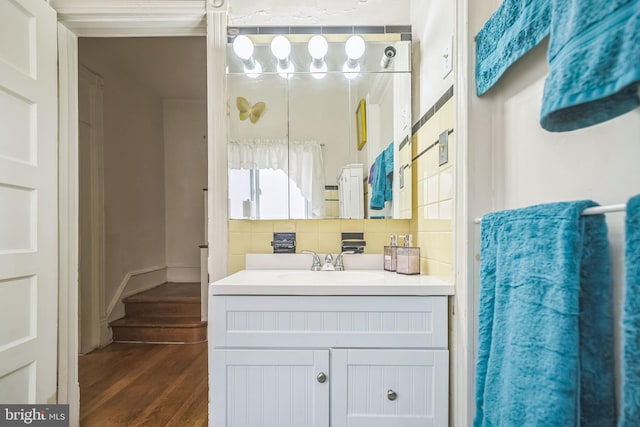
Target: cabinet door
{"x": 269, "y": 388}
{"x": 389, "y": 388}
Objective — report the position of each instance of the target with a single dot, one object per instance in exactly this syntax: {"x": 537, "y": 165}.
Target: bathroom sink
{"x": 330, "y": 277}
{"x": 348, "y": 282}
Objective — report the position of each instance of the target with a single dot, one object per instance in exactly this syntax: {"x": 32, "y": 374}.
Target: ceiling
{"x": 172, "y": 67}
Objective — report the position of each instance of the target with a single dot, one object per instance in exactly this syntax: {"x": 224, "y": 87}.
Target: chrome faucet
{"x": 315, "y": 266}
{"x": 328, "y": 263}
{"x": 339, "y": 265}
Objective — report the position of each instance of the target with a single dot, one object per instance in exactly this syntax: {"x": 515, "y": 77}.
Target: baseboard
{"x": 132, "y": 283}
{"x": 180, "y": 274}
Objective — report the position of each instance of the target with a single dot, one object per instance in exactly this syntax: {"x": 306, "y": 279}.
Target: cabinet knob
{"x": 322, "y": 377}
{"x": 392, "y": 395}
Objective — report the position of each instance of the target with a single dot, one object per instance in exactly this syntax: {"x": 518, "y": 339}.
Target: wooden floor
{"x": 144, "y": 385}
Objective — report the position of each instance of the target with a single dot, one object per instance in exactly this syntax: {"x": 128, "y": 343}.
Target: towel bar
{"x": 589, "y": 211}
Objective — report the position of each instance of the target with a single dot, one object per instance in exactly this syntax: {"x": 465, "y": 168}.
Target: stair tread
{"x": 158, "y": 322}
{"x": 168, "y": 292}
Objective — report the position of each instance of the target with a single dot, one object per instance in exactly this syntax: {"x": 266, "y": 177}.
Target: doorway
{"x": 151, "y": 165}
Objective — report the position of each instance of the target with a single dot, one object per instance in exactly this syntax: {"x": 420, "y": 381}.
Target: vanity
{"x": 328, "y": 348}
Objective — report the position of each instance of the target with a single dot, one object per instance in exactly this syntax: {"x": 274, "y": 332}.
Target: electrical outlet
{"x": 443, "y": 148}
{"x": 447, "y": 58}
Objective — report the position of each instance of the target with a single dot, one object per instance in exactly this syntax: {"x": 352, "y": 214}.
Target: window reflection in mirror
{"x": 293, "y": 136}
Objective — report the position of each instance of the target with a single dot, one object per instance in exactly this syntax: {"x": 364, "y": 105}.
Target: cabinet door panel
{"x": 362, "y": 380}
{"x": 269, "y": 388}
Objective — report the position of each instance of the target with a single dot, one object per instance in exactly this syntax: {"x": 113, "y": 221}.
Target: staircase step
{"x": 168, "y": 292}
{"x": 167, "y": 300}
{"x": 159, "y": 329}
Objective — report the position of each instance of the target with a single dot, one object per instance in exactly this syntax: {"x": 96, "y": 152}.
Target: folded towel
{"x": 381, "y": 185}
{"x": 514, "y": 29}
{"x": 630, "y": 411}
{"x": 545, "y": 339}
{"x": 594, "y": 63}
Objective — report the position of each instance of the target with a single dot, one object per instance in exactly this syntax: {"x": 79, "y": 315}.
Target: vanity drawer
{"x": 329, "y": 321}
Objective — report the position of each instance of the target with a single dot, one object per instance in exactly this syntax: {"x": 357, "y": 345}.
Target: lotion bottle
{"x": 408, "y": 258}
{"x": 391, "y": 254}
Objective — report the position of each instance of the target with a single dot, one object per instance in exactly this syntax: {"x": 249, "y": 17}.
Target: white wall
{"x": 185, "y": 165}
{"x": 519, "y": 164}
{"x": 312, "y": 12}
{"x": 133, "y": 171}
{"x": 433, "y": 25}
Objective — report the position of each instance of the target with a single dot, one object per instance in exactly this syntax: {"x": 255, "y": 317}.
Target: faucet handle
{"x": 315, "y": 266}
{"x": 339, "y": 265}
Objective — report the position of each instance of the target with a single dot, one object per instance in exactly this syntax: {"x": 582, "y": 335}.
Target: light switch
{"x": 443, "y": 148}
{"x": 447, "y": 58}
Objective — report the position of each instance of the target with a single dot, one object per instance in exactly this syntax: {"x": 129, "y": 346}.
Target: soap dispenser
{"x": 408, "y": 258}
{"x": 391, "y": 254}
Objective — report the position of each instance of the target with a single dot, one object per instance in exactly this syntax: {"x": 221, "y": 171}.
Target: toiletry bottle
{"x": 391, "y": 254}
{"x": 408, "y": 258}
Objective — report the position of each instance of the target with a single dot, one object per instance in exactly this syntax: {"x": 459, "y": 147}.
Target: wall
{"x": 321, "y": 236}
{"x": 312, "y": 12}
{"x": 432, "y": 27}
{"x": 133, "y": 171}
{"x": 515, "y": 163}
{"x": 185, "y": 166}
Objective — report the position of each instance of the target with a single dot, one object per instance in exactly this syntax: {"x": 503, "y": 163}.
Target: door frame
{"x": 97, "y": 319}
{"x": 122, "y": 18}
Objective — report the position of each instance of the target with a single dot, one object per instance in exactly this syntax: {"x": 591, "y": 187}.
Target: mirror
{"x": 322, "y": 136}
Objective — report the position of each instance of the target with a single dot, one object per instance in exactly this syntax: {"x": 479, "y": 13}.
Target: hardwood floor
{"x": 144, "y": 385}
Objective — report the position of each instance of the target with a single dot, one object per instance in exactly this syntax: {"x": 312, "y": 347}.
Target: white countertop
{"x": 349, "y": 282}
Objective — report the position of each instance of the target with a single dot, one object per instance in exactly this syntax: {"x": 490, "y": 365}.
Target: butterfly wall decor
{"x": 248, "y": 111}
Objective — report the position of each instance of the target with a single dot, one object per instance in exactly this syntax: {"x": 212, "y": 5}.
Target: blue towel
{"x": 514, "y": 29}
{"x": 594, "y": 63}
{"x": 381, "y": 186}
{"x": 630, "y": 411}
{"x": 545, "y": 339}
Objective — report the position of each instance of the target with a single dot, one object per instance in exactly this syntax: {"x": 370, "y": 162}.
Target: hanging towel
{"x": 381, "y": 186}
{"x": 630, "y": 411}
{"x": 594, "y": 63}
{"x": 545, "y": 338}
{"x": 514, "y": 29}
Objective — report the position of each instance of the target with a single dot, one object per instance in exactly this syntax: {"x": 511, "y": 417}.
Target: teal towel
{"x": 630, "y": 413}
{"x": 381, "y": 185}
{"x": 514, "y": 29}
{"x": 594, "y": 63}
{"x": 545, "y": 338}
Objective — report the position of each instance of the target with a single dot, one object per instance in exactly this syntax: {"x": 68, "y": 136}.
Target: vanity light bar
{"x": 317, "y": 46}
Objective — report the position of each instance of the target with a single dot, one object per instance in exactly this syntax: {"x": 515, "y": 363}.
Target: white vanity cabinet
{"x": 373, "y": 361}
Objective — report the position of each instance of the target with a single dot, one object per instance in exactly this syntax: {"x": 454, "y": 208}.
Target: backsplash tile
{"x": 320, "y": 236}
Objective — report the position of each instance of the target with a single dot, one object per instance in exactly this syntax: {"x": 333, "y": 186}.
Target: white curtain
{"x": 301, "y": 160}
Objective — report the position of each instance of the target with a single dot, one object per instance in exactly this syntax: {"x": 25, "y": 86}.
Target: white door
{"x": 390, "y": 388}
{"x": 28, "y": 202}
{"x": 269, "y": 388}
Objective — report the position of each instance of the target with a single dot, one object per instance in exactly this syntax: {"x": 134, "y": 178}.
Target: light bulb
{"x": 318, "y": 71}
{"x": 280, "y": 47}
{"x": 318, "y": 47}
{"x": 286, "y": 72}
{"x": 243, "y": 47}
{"x": 350, "y": 72}
{"x": 354, "y": 47}
{"x": 253, "y": 72}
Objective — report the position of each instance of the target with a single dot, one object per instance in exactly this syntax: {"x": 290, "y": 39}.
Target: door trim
{"x": 68, "y": 386}
{"x": 78, "y": 18}
{"x": 97, "y": 337}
